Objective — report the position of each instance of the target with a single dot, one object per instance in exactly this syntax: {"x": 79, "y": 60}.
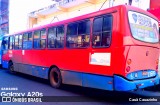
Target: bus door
{"x": 27, "y": 53}
{"x": 17, "y": 53}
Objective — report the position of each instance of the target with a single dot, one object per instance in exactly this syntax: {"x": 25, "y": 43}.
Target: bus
{"x": 114, "y": 49}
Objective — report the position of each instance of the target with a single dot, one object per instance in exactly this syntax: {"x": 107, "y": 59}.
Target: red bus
{"x": 112, "y": 49}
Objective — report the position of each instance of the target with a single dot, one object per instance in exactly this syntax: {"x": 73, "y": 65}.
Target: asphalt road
{"x": 70, "y": 95}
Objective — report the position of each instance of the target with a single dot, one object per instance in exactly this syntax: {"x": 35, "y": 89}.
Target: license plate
{"x": 144, "y": 73}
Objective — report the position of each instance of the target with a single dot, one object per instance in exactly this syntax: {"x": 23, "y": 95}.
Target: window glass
{"x": 27, "y": 40}
{"x": 36, "y": 34}
{"x": 102, "y": 29}
{"x": 107, "y": 23}
{"x": 20, "y": 42}
{"x": 25, "y": 37}
{"x": 84, "y": 27}
{"x": 51, "y": 37}
{"x": 43, "y": 34}
{"x": 97, "y": 24}
{"x": 80, "y": 39}
{"x": 30, "y": 36}
{"x": 60, "y": 37}
{"x": 72, "y": 29}
{"x": 16, "y": 42}
{"x": 56, "y": 37}
{"x": 143, "y": 27}
{"x": 43, "y": 43}
{"x": 36, "y": 43}
{"x": 11, "y": 42}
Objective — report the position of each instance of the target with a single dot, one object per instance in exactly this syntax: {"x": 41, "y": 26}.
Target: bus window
{"x": 52, "y": 37}
{"x": 20, "y": 42}
{"x": 56, "y": 37}
{"x": 16, "y": 42}
{"x": 11, "y": 42}
{"x": 5, "y": 43}
{"x": 83, "y": 34}
{"x": 78, "y": 34}
{"x": 60, "y": 37}
{"x": 43, "y": 39}
{"x": 144, "y": 28}
{"x": 36, "y": 41}
{"x": 25, "y": 37}
{"x": 27, "y": 40}
{"x": 102, "y": 28}
{"x": 30, "y": 36}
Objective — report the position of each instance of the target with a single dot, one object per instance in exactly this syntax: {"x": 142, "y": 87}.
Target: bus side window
{"x": 83, "y": 33}
{"x": 11, "y": 42}
{"x": 43, "y": 38}
{"x": 78, "y": 34}
{"x": 36, "y": 40}
{"x": 52, "y": 37}
{"x": 27, "y": 40}
{"x": 60, "y": 37}
{"x": 20, "y": 42}
{"x": 16, "y": 42}
{"x": 102, "y": 28}
{"x": 72, "y": 35}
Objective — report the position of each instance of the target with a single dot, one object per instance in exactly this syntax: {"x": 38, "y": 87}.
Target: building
{"x": 64, "y": 9}
{"x": 24, "y": 15}
{"x": 4, "y": 17}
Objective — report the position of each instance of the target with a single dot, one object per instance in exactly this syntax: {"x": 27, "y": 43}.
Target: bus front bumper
{"x": 121, "y": 84}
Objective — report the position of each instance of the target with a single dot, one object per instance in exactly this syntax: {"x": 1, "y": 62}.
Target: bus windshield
{"x": 143, "y": 27}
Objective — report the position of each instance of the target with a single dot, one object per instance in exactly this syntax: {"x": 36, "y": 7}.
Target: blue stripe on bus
{"x": 97, "y": 81}
{"x": 121, "y": 84}
{"x": 39, "y": 71}
{"x": 115, "y": 82}
{"x": 87, "y": 80}
{"x": 5, "y": 64}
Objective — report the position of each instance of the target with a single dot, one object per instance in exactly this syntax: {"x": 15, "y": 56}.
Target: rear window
{"x": 143, "y": 27}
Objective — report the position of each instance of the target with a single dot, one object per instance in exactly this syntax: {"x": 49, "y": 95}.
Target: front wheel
{"x": 55, "y": 77}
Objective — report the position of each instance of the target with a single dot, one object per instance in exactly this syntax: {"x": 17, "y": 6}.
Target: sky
{"x": 19, "y": 9}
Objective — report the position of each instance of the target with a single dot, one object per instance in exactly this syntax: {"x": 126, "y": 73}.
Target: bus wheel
{"x": 11, "y": 67}
{"x": 55, "y": 77}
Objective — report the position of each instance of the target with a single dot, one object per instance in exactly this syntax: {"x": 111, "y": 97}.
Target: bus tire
{"x": 11, "y": 67}
{"x": 55, "y": 77}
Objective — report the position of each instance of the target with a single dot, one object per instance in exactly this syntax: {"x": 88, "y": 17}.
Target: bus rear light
{"x": 128, "y": 68}
{"x": 129, "y": 61}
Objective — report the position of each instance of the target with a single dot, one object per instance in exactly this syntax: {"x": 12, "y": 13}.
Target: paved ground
{"x": 81, "y": 96}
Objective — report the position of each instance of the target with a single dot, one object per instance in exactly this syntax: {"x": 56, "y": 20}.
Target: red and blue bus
{"x": 111, "y": 49}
